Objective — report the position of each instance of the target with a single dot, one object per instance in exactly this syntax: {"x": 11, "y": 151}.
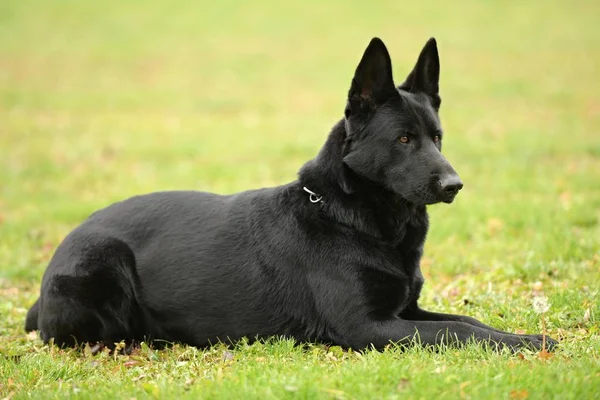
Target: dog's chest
{"x": 391, "y": 289}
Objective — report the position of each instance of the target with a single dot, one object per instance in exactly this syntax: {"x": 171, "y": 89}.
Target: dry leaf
{"x": 130, "y": 363}
{"x": 87, "y": 350}
{"x": 519, "y": 394}
{"x": 545, "y": 355}
{"x": 403, "y": 384}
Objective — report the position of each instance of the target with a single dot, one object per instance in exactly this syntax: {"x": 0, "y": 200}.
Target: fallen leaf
{"x": 87, "y": 350}
{"x": 130, "y": 363}
{"x": 119, "y": 346}
{"x": 403, "y": 384}
{"x": 519, "y": 394}
{"x": 545, "y": 355}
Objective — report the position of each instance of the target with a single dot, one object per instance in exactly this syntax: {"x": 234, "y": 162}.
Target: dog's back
{"x": 142, "y": 267}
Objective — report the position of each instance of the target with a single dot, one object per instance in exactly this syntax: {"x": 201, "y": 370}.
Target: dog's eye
{"x": 404, "y": 139}
{"x": 437, "y": 138}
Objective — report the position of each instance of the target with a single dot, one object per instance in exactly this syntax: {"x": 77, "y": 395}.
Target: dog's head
{"x": 394, "y": 136}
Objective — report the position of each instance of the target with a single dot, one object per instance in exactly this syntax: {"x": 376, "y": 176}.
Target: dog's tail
{"x": 31, "y": 322}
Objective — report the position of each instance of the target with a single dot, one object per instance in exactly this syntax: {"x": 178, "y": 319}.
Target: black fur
{"x": 197, "y": 267}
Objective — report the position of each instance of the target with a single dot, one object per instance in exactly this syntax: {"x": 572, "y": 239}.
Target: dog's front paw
{"x": 532, "y": 342}
{"x": 550, "y": 342}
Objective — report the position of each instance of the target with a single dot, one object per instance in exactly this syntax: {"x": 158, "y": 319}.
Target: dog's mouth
{"x": 449, "y": 199}
{"x": 432, "y": 198}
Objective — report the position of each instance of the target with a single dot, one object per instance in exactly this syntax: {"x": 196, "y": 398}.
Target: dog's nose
{"x": 450, "y": 185}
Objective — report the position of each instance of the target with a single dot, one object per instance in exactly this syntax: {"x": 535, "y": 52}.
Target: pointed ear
{"x": 425, "y": 76}
{"x": 373, "y": 82}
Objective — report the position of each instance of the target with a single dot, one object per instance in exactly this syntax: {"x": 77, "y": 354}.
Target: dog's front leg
{"x": 415, "y": 313}
{"x": 431, "y": 333}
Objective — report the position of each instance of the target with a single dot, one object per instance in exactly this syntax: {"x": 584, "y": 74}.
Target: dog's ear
{"x": 425, "y": 76}
{"x": 373, "y": 82}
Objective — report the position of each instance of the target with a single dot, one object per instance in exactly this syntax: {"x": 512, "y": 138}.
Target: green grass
{"x": 103, "y": 100}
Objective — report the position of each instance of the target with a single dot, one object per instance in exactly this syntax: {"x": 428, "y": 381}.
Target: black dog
{"x": 332, "y": 257}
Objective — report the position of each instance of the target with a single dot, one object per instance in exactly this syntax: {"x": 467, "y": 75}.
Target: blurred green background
{"x": 103, "y": 100}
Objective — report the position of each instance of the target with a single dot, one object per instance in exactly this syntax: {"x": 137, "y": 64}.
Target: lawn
{"x": 103, "y": 100}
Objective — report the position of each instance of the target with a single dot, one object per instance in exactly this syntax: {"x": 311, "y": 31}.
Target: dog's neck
{"x": 353, "y": 200}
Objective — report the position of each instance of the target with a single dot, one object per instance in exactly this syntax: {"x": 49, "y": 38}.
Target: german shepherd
{"x": 332, "y": 257}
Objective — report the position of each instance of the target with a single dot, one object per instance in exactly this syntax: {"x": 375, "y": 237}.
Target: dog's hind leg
{"x": 90, "y": 293}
